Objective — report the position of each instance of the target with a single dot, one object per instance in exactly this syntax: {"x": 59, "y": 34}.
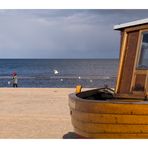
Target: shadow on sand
{"x": 71, "y": 135}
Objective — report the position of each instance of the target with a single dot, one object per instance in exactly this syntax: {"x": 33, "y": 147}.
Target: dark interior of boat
{"x": 97, "y": 94}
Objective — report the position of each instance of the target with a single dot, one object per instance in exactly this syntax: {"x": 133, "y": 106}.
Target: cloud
{"x": 62, "y": 33}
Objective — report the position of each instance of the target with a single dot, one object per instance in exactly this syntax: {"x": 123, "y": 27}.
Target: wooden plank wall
{"x": 128, "y": 65}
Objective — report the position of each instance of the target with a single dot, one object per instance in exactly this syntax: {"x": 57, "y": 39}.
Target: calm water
{"x": 40, "y": 73}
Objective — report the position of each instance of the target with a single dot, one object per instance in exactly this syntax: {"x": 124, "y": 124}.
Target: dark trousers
{"x": 14, "y": 85}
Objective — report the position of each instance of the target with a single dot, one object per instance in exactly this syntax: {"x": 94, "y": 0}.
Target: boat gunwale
{"x": 134, "y": 101}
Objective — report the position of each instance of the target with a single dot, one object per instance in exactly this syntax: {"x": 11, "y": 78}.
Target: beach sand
{"x": 35, "y": 113}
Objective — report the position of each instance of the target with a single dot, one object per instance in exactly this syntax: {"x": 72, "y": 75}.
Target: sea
{"x": 59, "y": 73}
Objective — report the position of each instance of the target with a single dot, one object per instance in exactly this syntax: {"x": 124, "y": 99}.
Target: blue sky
{"x": 43, "y": 33}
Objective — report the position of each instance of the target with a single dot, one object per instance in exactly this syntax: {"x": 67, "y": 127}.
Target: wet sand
{"x": 35, "y": 113}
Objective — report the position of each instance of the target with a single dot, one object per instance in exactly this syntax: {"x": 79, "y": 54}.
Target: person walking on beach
{"x": 14, "y": 79}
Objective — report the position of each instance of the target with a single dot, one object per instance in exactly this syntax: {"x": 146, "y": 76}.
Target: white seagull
{"x": 55, "y": 72}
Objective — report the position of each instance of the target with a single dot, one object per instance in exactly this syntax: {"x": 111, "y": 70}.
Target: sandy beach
{"x": 35, "y": 113}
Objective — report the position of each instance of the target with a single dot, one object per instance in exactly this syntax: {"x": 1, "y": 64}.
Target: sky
{"x": 63, "y": 33}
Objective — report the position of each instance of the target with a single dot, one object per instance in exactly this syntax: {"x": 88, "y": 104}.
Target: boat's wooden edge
{"x": 110, "y": 136}
{"x": 117, "y": 118}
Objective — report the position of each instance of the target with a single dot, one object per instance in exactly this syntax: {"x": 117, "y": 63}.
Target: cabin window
{"x": 143, "y": 61}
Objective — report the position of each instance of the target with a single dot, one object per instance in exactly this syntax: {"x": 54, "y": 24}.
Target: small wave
{"x": 62, "y": 77}
{"x": 21, "y": 77}
{"x": 82, "y": 77}
{"x": 26, "y": 77}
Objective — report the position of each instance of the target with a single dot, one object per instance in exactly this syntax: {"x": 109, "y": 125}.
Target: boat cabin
{"x": 132, "y": 78}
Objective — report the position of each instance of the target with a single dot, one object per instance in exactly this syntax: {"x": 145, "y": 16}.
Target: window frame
{"x": 141, "y": 33}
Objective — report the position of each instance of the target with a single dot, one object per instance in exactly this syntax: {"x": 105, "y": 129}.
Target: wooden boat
{"x": 123, "y": 113}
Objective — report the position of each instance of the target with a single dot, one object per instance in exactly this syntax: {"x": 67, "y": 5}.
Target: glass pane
{"x": 143, "y": 62}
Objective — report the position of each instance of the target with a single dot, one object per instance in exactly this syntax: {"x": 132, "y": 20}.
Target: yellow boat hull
{"x": 109, "y": 118}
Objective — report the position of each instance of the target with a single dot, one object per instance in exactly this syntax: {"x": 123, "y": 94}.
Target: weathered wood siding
{"x": 128, "y": 63}
{"x": 121, "y": 42}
